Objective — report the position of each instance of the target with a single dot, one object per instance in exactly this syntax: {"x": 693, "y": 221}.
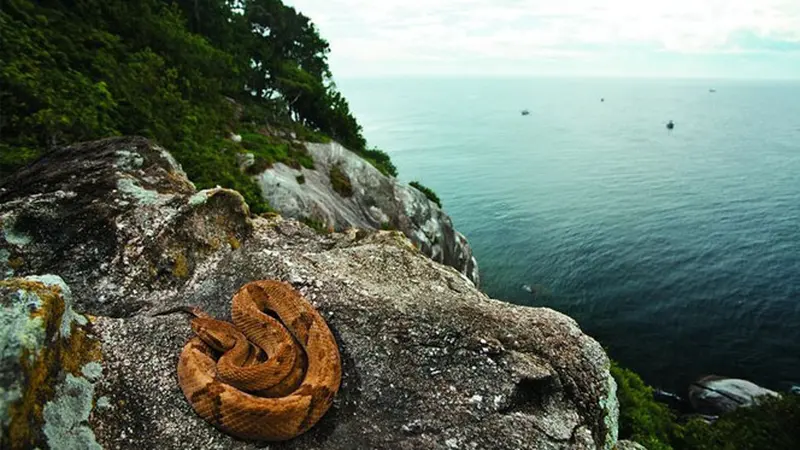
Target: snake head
{"x": 219, "y": 335}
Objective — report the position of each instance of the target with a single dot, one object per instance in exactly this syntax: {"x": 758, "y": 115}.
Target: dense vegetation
{"x": 427, "y": 191}
{"x": 774, "y": 424}
{"x": 184, "y": 72}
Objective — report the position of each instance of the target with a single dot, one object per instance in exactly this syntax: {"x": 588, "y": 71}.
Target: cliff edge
{"x": 429, "y": 362}
{"x": 343, "y": 190}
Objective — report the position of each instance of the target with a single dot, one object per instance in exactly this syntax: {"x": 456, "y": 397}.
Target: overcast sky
{"x": 688, "y": 38}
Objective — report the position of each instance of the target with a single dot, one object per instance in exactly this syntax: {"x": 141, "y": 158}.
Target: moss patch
{"x": 340, "y": 181}
{"x": 180, "y": 268}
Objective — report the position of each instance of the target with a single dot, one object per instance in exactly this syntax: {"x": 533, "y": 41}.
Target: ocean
{"x": 678, "y": 250}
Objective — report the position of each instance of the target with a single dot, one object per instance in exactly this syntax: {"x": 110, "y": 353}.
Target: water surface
{"x": 678, "y": 250}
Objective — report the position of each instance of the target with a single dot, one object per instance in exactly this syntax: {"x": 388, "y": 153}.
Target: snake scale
{"x": 271, "y": 374}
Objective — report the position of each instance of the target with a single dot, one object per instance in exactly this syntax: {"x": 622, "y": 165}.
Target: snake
{"x": 271, "y": 374}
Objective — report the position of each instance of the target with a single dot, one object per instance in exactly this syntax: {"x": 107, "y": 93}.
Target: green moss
{"x": 233, "y": 242}
{"x": 16, "y": 263}
{"x": 427, "y": 191}
{"x": 340, "y": 181}
{"x": 180, "y": 269}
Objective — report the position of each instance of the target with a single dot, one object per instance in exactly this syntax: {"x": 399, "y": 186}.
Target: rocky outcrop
{"x": 629, "y": 445}
{"x": 715, "y": 395}
{"x": 429, "y": 362}
{"x": 48, "y": 367}
{"x": 376, "y": 202}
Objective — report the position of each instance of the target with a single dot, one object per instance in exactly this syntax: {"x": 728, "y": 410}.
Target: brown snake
{"x": 271, "y": 375}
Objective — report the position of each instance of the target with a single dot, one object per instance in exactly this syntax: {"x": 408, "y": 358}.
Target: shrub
{"x": 317, "y": 225}
{"x": 427, "y": 191}
{"x": 641, "y": 418}
{"x": 340, "y": 181}
{"x": 773, "y": 424}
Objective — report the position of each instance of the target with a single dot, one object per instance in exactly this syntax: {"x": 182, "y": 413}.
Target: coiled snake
{"x": 271, "y": 374}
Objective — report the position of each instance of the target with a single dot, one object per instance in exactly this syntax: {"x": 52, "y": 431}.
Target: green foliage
{"x": 301, "y": 179}
{"x": 269, "y": 150}
{"x": 183, "y": 72}
{"x": 214, "y": 163}
{"x": 317, "y": 225}
{"x": 641, "y": 418}
{"x": 427, "y": 191}
{"x": 773, "y": 424}
{"x": 340, "y": 181}
{"x": 380, "y": 160}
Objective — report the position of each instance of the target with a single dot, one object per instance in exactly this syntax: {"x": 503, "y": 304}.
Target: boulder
{"x": 48, "y": 367}
{"x": 630, "y": 445}
{"x": 376, "y": 202}
{"x": 429, "y": 362}
{"x": 715, "y": 395}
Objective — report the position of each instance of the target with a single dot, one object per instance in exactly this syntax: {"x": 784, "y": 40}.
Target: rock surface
{"x": 48, "y": 367}
{"x": 429, "y": 362}
{"x": 630, "y": 445}
{"x": 377, "y": 202}
{"x": 715, "y": 395}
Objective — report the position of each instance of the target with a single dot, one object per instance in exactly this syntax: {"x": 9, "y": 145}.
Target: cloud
{"x": 429, "y": 34}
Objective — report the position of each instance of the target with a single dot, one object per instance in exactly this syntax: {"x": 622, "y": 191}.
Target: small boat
{"x": 602, "y": 99}
{"x": 712, "y": 90}
{"x": 525, "y": 112}
{"x": 670, "y": 125}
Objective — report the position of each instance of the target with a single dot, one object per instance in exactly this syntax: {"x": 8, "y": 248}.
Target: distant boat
{"x": 712, "y": 90}
{"x": 525, "y": 112}
{"x": 602, "y": 99}
{"x": 670, "y": 125}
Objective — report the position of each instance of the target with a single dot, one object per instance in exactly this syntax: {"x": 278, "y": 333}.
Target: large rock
{"x": 715, "y": 395}
{"x": 377, "y": 201}
{"x": 429, "y": 362}
{"x": 629, "y": 445}
{"x": 48, "y": 367}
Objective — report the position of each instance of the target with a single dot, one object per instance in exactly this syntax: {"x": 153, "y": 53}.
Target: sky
{"x": 647, "y": 38}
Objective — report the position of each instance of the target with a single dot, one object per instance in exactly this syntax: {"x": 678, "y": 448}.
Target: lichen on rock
{"x": 44, "y": 343}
